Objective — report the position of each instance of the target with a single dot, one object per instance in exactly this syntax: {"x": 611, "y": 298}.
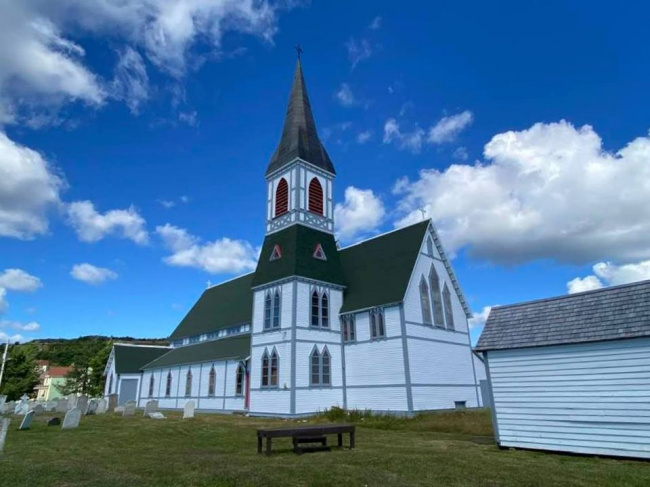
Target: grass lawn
{"x": 216, "y": 450}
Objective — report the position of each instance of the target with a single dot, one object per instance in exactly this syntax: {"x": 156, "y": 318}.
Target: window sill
{"x": 316, "y": 386}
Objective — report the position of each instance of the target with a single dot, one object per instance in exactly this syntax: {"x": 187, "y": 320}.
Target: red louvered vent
{"x": 282, "y": 198}
{"x": 315, "y": 197}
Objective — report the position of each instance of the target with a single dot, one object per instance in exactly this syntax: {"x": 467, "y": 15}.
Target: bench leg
{"x": 340, "y": 440}
{"x": 259, "y": 444}
{"x": 351, "y": 440}
{"x": 268, "y": 446}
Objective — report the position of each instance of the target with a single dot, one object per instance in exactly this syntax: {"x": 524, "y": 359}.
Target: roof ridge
{"x": 572, "y": 295}
{"x": 229, "y": 280}
{"x": 384, "y": 234}
{"x": 140, "y": 345}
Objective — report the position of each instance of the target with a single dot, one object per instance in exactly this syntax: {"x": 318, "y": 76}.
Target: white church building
{"x": 379, "y": 325}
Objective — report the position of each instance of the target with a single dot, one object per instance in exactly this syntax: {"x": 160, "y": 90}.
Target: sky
{"x": 134, "y": 137}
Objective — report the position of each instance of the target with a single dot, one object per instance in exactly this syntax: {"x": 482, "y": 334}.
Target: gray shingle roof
{"x": 605, "y": 314}
{"x": 299, "y": 135}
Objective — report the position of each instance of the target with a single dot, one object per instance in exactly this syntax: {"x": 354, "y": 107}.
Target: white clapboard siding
{"x": 583, "y": 398}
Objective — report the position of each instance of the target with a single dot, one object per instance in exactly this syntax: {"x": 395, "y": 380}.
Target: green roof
{"x": 377, "y": 271}
{"x": 236, "y": 348}
{"x": 297, "y": 244}
{"x": 129, "y": 359}
{"x": 222, "y": 306}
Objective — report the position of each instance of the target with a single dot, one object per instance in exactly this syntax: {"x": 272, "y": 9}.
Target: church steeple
{"x": 299, "y": 135}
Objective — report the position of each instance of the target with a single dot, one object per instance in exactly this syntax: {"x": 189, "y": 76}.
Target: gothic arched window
{"x": 449, "y": 313}
{"x": 315, "y": 196}
{"x": 320, "y": 367}
{"x": 267, "y": 311}
{"x": 188, "y": 384}
{"x": 425, "y": 302}
{"x": 282, "y": 198}
{"x": 239, "y": 380}
{"x": 168, "y": 386}
{"x": 315, "y": 367}
{"x": 265, "y": 368}
{"x": 325, "y": 368}
{"x": 276, "y": 310}
{"x": 434, "y": 280}
{"x": 151, "y": 386}
{"x": 324, "y": 311}
{"x": 212, "y": 381}
{"x": 315, "y": 309}
{"x": 274, "y": 368}
{"x": 377, "y": 329}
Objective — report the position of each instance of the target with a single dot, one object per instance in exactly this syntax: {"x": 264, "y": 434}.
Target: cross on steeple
{"x": 298, "y": 50}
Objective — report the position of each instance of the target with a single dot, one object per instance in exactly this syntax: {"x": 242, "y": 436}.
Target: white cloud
{"x": 29, "y": 188}
{"x": 167, "y": 203}
{"x": 460, "y": 154}
{"x": 189, "y": 118}
{"x": 361, "y": 212}
{"x": 32, "y": 326}
{"x": 479, "y": 318}
{"x": 11, "y": 338}
{"x": 411, "y": 141}
{"x": 358, "y": 50}
{"x": 375, "y": 24}
{"x": 220, "y": 256}
{"x": 131, "y": 82}
{"x": 365, "y": 136}
{"x": 91, "y": 274}
{"x": 19, "y": 280}
{"x": 448, "y": 128}
{"x": 92, "y": 226}
{"x": 609, "y": 274}
{"x": 549, "y": 192}
{"x": 4, "y": 305}
{"x": 345, "y": 96}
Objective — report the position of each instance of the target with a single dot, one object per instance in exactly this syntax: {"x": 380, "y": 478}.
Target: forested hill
{"x": 61, "y": 351}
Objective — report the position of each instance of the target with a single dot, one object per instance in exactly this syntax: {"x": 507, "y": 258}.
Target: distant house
{"x": 572, "y": 373}
{"x": 51, "y": 378}
{"x": 123, "y": 372}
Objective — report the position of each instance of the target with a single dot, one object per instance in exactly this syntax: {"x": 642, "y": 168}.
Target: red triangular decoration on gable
{"x": 319, "y": 253}
{"x": 277, "y": 253}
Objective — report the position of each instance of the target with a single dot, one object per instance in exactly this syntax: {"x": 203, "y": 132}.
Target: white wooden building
{"x": 572, "y": 373}
{"x": 378, "y": 325}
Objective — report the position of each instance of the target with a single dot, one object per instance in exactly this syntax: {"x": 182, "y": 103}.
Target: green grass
{"x": 216, "y": 450}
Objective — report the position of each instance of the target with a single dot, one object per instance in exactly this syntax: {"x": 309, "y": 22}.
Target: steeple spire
{"x": 299, "y": 136}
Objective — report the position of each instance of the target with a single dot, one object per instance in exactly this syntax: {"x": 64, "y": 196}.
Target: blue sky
{"x": 134, "y": 140}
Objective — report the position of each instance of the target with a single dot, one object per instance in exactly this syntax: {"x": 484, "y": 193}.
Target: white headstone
{"x": 102, "y": 406}
{"x": 51, "y": 405}
{"x": 150, "y": 407}
{"x": 62, "y": 405}
{"x": 27, "y": 421}
{"x": 71, "y": 419}
{"x": 119, "y": 409}
{"x": 188, "y": 410}
{"x": 129, "y": 408}
{"x": 72, "y": 401}
{"x": 156, "y": 415}
{"x": 4, "y": 427}
{"x": 3, "y": 400}
{"x": 92, "y": 406}
{"x": 22, "y": 406}
{"x": 82, "y": 403}
{"x": 38, "y": 409}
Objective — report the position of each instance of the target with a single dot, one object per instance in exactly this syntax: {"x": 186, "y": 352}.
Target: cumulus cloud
{"x": 32, "y": 326}
{"x": 411, "y": 141}
{"x": 219, "y": 256}
{"x": 92, "y": 226}
{"x": 365, "y": 136}
{"x": 548, "y": 192}
{"x": 19, "y": 280}
{"x": 4, "y": 305}
{"x": 609, "y": 274}
{"x": 29, "y": 188}
{"x": 345, "y": 96}
{"x": 375, "y": 24}
{"x": 361, "y": 212}
{"x": 91, "y": 274}
{"x": 448, "y": 128}
{"x": 131, "y": 82}
{"x": 4, "y": 337}
{"x": 358, "y": 50}
{"x": 479, "y": 318}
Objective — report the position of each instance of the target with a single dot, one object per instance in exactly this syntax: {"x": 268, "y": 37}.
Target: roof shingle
{"x": 235, "y": 348}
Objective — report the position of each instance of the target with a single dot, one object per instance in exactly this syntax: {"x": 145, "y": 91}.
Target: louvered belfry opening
{"x": 315, "y": 196}
{"x": 282, "y": 198}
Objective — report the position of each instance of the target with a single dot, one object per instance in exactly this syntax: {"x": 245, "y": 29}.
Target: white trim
{"x": 380, "y": 235}
{"x": 230, "y": 280}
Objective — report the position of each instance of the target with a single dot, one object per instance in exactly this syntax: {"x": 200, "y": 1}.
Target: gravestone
{"x": 62, "y": 405}
{"x": 72, "y": 419}
{"x": 50, "y": 406}
{"x": 72, "y": 401}
{"x": 112, "y": 402}
{"x": 150, "y": 407}
{"x": 119, "y": 409}
{"x": 22, "y": 406}
{"x": 38, "y": 409}
{"x": 4, "y": 427}
{"x": 53, "y": 422}
{"x": 27, "y": 421}
{"x": 92, "y": 407}
{"x": 102, "y": 406}
{"x": 3, "y": 400}
{"x": 129, "y": 408}
{"x": 82, "y": 403}
{"x": 156, "y": 415}
{"x": 10, "y": 406}
{"x": 188, "y": 410}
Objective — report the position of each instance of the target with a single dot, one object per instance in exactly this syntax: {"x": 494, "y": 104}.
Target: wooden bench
{"x": 316, "y": 433}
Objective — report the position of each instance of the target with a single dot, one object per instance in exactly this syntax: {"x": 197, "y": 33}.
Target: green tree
{"x": 85, "y": 376}
{"x": 21, "y": 375}
{"x": 97, "y": 364}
